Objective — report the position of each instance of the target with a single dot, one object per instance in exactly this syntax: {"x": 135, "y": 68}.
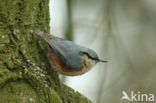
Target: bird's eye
{"x": 93, "y": 58}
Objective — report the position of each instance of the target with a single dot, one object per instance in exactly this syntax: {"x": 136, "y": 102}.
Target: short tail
{"x": 46, "y": 37}
{"x": 38, "y": 32}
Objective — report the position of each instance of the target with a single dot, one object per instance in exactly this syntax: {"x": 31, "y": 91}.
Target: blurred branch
{"x": 69, "y": 25}
{"x": 106, "y": 17}
{"x": 68, "y": 28}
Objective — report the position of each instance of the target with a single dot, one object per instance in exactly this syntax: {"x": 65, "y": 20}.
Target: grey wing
{"x": 68, "y": 52}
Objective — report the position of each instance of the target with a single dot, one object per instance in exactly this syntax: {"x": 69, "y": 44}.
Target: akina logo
{"x": 137, "y": 96}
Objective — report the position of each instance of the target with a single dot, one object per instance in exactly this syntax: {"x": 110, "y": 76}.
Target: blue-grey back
{"x": 68, "y": 52}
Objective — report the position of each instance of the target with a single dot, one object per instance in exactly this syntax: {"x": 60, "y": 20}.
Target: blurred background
{"x": 123, "y": 32}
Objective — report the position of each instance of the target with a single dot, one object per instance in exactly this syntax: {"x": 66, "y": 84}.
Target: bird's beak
{"x": 100, "y": 60}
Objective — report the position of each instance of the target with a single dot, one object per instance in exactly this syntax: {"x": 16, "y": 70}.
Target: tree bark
{"x": 24, "y": 75}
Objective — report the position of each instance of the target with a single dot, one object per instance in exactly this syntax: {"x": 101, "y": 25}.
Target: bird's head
{"x": 89, "y": 57}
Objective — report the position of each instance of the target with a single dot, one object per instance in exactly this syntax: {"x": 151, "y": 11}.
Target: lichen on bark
{"x": 24, "y": 75}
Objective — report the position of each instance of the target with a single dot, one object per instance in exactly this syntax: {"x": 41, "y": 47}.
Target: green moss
{"x": 18, "y": 92}
{"x": 24, "y": 68}
{"x": 71, "y": 96}
{"x": 2, "y": 48}
{"x": 56, "y": 97}
{"x": 4, "y": 38}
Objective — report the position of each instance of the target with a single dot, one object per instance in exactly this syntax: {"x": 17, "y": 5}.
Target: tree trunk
{"x": 24, "y": 75}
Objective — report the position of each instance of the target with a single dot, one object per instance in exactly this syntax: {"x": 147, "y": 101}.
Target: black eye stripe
{"x": 85, "y": 53}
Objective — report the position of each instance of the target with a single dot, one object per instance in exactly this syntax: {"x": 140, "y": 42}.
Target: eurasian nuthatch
{"x": 67, "y": 57}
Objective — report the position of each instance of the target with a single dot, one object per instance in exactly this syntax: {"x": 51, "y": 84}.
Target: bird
{"x": 67, "y": 57}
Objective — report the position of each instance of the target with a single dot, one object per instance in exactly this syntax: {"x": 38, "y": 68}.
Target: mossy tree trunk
{"x": 24, "y": 75}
